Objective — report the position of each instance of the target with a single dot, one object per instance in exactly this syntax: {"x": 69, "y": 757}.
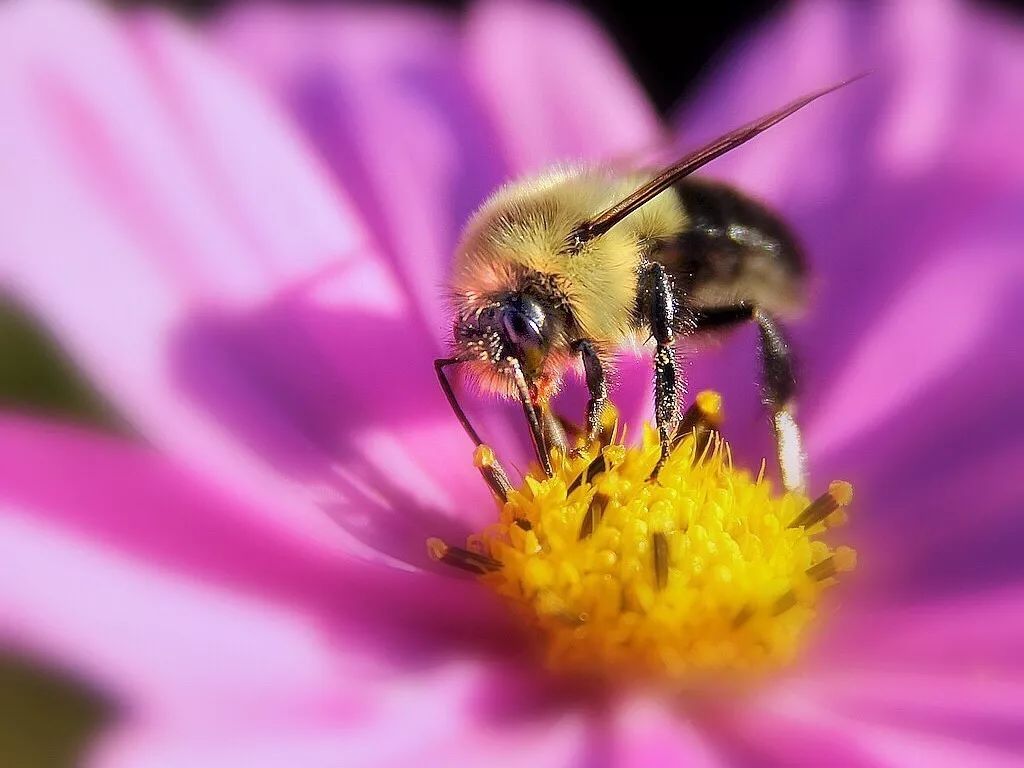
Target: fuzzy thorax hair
{"x": 519, "y": 240}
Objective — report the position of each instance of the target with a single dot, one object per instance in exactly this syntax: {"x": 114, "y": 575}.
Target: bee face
{"x": 515, "y": 328}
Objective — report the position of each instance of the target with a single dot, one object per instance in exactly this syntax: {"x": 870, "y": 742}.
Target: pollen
{"x": 698, "y": 570}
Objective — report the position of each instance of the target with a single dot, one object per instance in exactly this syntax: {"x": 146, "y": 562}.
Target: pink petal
{"x": 646, "y": 734}
{"x": 356, "y": 80}
{"x": 421, "y": 720}
{"x": 128, "y": 206}
{"x": 979, "y": 632}
{"x": 234, "y": 304}
{"x": 554, "y": 85}
{"x": 979, "y": 708}
{"x": 888, "y": 182}
{"x": 790, "y": 729}
{"x": 163, "y": 588}
{"x": 157, "y": 642}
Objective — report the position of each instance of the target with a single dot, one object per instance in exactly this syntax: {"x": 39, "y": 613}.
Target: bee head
{"x": 516, "y": 326}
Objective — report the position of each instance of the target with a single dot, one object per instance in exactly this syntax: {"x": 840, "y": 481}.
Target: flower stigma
{"x": 697, "y": 571}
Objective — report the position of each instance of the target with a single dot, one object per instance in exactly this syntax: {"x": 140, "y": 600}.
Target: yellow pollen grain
{"x": 700, "y": 573}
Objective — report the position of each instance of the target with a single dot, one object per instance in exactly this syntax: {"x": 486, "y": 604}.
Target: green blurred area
{"x": 36, "y": 376}
{"x": 47, "y": 718}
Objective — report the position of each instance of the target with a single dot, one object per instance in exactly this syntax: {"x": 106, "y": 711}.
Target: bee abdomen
{"x": 734, "y": 250}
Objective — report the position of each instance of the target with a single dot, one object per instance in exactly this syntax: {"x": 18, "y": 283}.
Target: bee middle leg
{"x": 597, "y": 387}
{"x": 658, "y": 305}
{"x": 779, "y": 381}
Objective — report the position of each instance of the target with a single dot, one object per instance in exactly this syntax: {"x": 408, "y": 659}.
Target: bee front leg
{"x": 658, "y": 303}
{"x": 534, "y": 416}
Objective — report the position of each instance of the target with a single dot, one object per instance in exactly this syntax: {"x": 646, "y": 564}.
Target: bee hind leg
{"x": 779, "y": 383}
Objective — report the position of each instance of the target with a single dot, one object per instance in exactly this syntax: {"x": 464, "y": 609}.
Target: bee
{"x": 559, "y": 271}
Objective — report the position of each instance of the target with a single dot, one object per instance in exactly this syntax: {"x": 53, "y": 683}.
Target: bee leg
{"x": 533, "y": 416}
{"x": 779, "y": 395}
{"x": 597, "y": 388}
{"x": 446, "y": 386}
{"x": 659, "y": 303}
{"x": 777, "y": 373}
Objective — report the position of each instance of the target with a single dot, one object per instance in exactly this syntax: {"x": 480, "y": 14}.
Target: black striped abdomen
{"x": 734, "y": 251}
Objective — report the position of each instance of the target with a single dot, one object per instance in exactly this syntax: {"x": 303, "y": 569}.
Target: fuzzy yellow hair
{"x": 521, "y": 236}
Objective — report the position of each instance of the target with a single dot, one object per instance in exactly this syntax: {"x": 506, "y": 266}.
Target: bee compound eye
{"x": 522, "y": 321}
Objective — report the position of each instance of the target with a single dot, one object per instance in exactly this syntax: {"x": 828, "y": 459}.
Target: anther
{"x": 598, "y": 465}
{"x": 474, "y": 562}
{"x": 842, "y": 560}
{"x": 702, "y": 419}
{"x": 492, "y": 472}
{"x": 609, "y": 424}
{"x": 746, "y": 614}
{"x": 554, "y": 431}
{"x": 592, "y": 517}
{"x": 784, "y": 603}
{"x": 838, "y": 495}
{"x": 659, "y": 546}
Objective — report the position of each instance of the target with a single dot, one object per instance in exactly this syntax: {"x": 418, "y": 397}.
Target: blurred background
{"x": 45, "y": 717}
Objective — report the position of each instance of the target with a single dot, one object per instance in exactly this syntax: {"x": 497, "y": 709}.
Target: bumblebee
{"x": 559, "y": 271}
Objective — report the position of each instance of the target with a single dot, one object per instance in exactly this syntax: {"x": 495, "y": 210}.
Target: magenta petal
{"x": 969, "y": 705}
{"x": 949, "y": 667}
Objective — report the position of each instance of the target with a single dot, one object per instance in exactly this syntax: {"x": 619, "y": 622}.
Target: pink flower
{"x": 240, "y": 238}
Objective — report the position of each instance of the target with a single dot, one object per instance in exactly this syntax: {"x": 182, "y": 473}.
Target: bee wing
{"x": 605, "y": 220}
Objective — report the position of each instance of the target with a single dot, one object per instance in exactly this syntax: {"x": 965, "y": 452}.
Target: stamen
{"x": 593, "y": 516}
{"x": 784, "y": 603}
{"x": 609, "y": 424}
{"x": 844, "y": 559}
{"x": 598, "y": 465}
{"x": 705, "y": 571}
{"x": 659, "y": 545}
{"x": 467, "y": 560}
{"x": 838, "y": 495}
{"x": 701, "y": 419}
{"x": 492, "y": 472}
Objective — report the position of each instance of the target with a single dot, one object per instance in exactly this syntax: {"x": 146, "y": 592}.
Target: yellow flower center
{"x": 700, "y": 571}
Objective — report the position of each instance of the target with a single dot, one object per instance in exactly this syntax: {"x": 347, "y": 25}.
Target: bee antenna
{"x": 608, "y": 218}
